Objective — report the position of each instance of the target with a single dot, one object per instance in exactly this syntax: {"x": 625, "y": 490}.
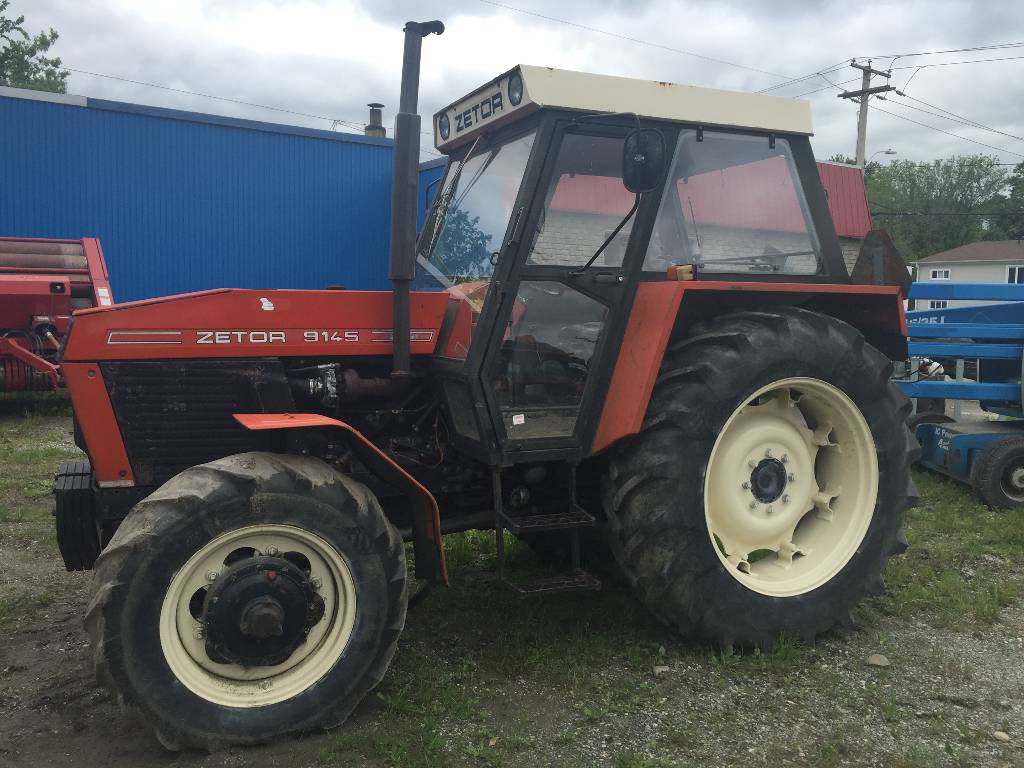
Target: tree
{"x": 463, "y": 248}
{"x": 1008, "y": 224}
{"x": 23, "y": 63}
{"x": 933, "y": 207}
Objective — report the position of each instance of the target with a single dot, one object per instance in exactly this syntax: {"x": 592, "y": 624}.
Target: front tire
{"x": 766, "y": 489}
{"x": 248, "y": 598}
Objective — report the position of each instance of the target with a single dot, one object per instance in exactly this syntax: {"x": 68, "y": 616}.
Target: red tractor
{"x": 631, "y": 315}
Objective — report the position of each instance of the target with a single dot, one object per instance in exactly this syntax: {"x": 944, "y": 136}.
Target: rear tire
{"x": 276, "y": 516}
{"x": 669, "y": 541}
{"x": 997, "y": 473}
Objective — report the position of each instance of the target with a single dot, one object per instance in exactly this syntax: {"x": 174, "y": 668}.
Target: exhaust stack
{"x": 403, "y": 191}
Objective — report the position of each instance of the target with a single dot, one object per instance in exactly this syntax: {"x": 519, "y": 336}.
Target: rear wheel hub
{"x": 259, "y": 611}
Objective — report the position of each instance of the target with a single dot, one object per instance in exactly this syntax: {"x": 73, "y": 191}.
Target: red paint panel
{"x": 654, "y": 312}
{"x": 242, "y": 323}
{"x": 391, "y": 472}
{"x": 99, "y": 426}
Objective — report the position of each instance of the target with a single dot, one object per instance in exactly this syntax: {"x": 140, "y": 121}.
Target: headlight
{"x": 443, "y": 126}
{"x": 515, "y": 89}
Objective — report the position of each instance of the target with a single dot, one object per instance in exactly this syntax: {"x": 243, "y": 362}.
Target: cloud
{"x": 330, "y": 57}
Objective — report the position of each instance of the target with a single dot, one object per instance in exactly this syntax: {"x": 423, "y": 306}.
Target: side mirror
{"x": 643, "y": 160}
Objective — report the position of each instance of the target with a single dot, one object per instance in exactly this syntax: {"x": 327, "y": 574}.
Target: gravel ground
{"x": 483, "y": 679}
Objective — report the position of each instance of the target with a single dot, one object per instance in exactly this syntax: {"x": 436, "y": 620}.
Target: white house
{"x": 988, "y": 261}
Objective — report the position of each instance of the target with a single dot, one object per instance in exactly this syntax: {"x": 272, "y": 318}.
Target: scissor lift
{"x": 988, "y": 339}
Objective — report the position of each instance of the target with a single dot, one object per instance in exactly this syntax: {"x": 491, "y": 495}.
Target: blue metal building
{"x": 184, "y": 201}
{"x": 429, "y": 180}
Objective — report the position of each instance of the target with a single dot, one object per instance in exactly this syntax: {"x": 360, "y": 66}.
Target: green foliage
{"x": 464, "y": 248}
{"x": 23, "y": 63}
{"x": 958, "y": 185}
{"x": 1008, "y": 223}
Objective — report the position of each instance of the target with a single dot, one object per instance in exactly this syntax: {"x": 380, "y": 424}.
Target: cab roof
{"x": 543, "y": 87}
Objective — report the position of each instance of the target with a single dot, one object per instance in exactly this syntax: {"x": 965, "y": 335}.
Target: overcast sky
{"x": 331, "y": 57}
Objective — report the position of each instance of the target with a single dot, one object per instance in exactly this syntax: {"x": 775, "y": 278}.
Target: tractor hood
{"x": 251, "y": 323}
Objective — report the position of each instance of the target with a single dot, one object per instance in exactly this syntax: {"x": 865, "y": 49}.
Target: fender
{"x": 666, "y": 307}
{"x": 430, "y": 561}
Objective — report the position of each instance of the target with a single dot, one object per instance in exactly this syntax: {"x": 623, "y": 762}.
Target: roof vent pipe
{"x": 376, "y": 126}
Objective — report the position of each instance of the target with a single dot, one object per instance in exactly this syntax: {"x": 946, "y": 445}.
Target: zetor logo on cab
{"x": 491, "y": 105}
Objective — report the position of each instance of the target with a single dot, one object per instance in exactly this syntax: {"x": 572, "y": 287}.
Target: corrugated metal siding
{"x": 182, "y": 205}
{"x": 847, "y": 199}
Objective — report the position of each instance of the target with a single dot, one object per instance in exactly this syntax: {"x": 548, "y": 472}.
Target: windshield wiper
{"x": 445, "y": 200}
{"x": 608, "y": 240}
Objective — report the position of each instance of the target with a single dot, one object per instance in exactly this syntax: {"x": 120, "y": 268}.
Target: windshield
{"x": 465, "y": 230}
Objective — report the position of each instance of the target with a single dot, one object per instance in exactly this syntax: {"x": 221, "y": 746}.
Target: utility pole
{"x": 865, "y": 93}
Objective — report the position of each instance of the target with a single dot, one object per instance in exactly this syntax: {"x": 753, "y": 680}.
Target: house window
{"x": 1015, "y": 273}
{"x": 940, "y": 274}
{"x": 938, "y": 304}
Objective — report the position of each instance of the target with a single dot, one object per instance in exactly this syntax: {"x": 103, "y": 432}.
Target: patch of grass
{"x": 19, "y": 606}
{"x": 418, "y": 747}
{"x": 958, "y": 572}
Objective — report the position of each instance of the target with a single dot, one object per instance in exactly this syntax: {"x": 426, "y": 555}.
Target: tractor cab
{"x": 565, "y": 192}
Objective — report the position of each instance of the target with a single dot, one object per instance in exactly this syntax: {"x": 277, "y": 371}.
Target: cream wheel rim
{"x": 232, "y": 685}
{"x": 790, "y": 487}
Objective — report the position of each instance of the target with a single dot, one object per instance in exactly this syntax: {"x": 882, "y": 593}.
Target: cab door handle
{"x": 609, "y": 278}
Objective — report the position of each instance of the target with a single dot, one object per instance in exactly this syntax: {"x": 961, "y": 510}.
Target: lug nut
{"x": 197, "y": 633}
{"x": 746, "y": 486}
{"x": 791, "y": 477}
{"x": 753, "y": 505}
{"x": 272, "y": 551}
{"x": 785, "y": 458}
{"x": 752, "y": 464}
{"x": 769, "y": 509}
{"x": 316, "y": 582}
{"x": 768, "y": 453}
{"x": 211, "y": 575}
{"x": 785, "y": 498}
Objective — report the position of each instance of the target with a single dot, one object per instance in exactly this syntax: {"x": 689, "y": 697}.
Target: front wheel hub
{"x": 259, "y": 611}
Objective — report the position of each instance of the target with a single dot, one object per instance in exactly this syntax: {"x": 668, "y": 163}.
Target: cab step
{"x": 577, "y": 517}
{"x": 577, "y": 581}
{"x": 572, "y": 521}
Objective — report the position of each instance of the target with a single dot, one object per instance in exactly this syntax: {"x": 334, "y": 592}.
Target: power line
{"x": 334, "y": 121}
{"x": 627, "y": 38}
{"x": 809, "y": 76}
{"x": 951, "y": 50}
{"x": 961, "y": 118}
{"x": 949, "y": 133}
{"x": 953, "y": 63}
{"x": 348, "y": 123}
{"x": 990, "y": 214}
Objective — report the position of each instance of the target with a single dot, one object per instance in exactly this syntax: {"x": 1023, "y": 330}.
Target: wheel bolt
{"x": 211, "y": 575}
{"x": 316, "y": 582}
{"x": 753, "y": 505}
{"x": 785, "y": 498}
{"x": 197, "y": 633}
{"x": 785, "y": 458}
{"x": 791, "y": 478}
{"x": 751, "y": 463}
{"x": 768, "y": 453}
{"x": 746, "y": 486}
{"x": 769, "y": 509}
{"x": 272, "y": 551}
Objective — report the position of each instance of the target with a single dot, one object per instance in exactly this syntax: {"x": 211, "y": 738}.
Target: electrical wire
{"x": 949, "y": 133}
{"x": 630, "y": 39}
{"x": 992, "y": 47}
{"x": 953, "y": 116}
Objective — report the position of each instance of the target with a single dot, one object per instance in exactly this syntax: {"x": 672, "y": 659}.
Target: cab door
{"x": 555, "y": 337}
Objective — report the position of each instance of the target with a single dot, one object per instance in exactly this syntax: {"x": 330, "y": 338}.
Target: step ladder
{"x": 573, "y": 520}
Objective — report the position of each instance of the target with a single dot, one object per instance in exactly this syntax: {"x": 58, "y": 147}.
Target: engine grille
{"x": 176, "y": 414}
